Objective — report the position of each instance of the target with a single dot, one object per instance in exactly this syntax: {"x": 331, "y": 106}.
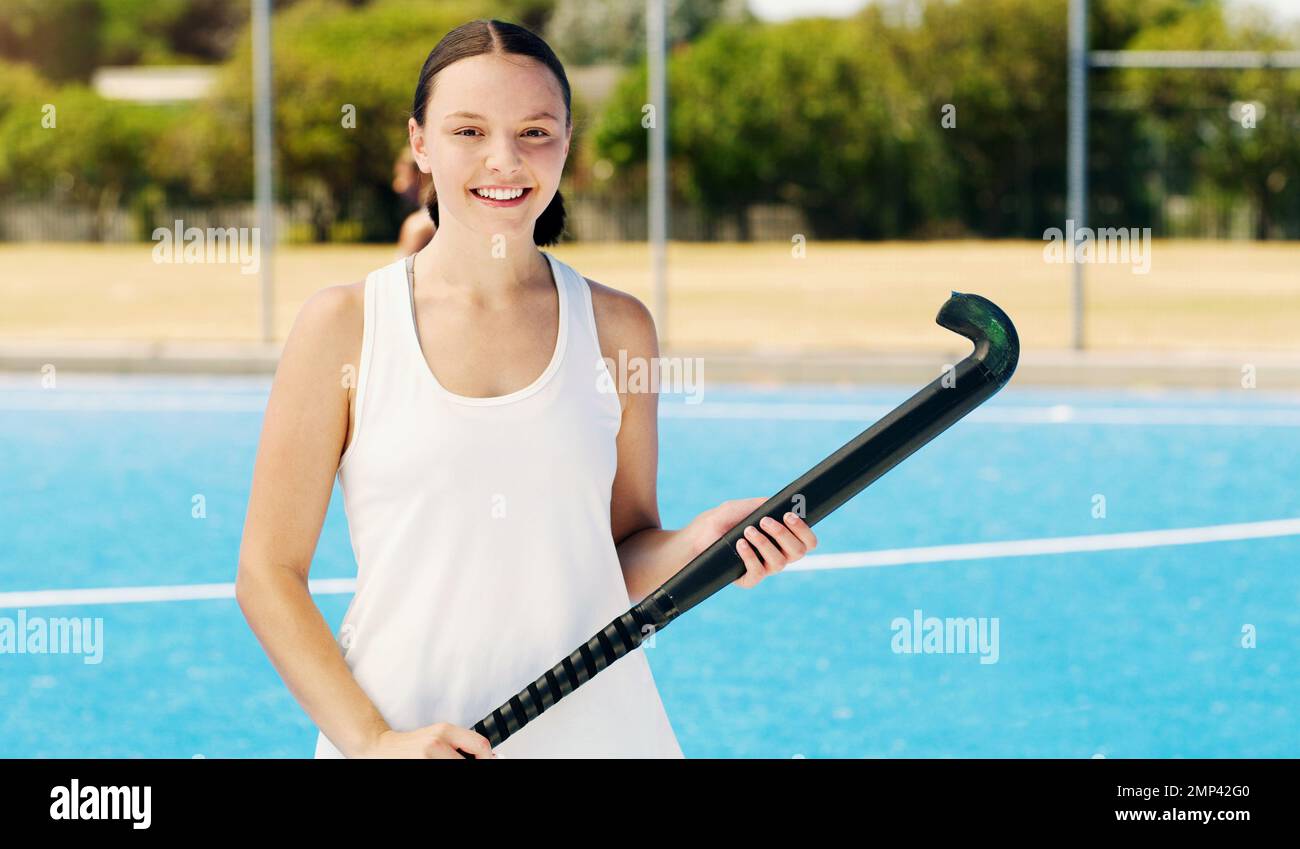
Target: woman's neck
{"x": 487, "y": 270}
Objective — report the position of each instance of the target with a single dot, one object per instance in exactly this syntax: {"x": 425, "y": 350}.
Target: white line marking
{"x": 1052, "y": 545}
{"x": 128, "y": 595}
{"x": 848, "y": 560}
{"x": 85, "y": 402}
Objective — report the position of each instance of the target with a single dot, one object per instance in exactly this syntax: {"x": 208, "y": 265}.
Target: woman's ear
{"x": 415, "y": 133}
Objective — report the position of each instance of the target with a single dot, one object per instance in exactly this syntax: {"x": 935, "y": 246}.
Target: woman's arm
{"x": 648, "y": 554}
{"x": 302, "y": 439}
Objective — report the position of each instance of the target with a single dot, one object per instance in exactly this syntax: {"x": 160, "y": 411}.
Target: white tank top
{"x": 481, "y": 530}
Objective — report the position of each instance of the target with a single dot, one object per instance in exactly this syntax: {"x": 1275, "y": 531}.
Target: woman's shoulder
{"x": 622, "y": 321}
{"x": 330, "y": 323}
{"x": 336, "y": 307}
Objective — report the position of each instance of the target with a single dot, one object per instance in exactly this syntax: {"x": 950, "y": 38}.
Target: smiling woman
{"x": 501, "y": 500}
{"x": 459, "y": 62}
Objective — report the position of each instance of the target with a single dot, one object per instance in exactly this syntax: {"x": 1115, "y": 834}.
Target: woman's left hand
{"x": 763, "y": 552}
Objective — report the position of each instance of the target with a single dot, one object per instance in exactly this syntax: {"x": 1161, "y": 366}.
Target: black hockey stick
{"x": 814, "y": 496}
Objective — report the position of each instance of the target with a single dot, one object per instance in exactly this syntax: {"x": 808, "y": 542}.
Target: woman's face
{"x": 493, "y": 122}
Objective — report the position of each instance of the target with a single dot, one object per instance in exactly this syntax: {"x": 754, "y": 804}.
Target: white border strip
{"x": 850, "y": 560}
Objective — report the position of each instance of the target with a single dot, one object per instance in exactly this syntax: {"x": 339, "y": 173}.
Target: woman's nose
{"x": 504, "y": 157}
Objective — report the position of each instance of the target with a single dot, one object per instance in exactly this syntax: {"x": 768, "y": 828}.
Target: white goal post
{"x": 1081, "y": 60}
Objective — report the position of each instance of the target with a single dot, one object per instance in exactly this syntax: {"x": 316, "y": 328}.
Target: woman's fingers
{"x": 464, "y": 740}
{"x": 753, "y": 568}
{"x": 802, "y": 530}
{"x": 772, "y": 558}
{"x": 791, "y": 546}
{"x": 770, "y": 550}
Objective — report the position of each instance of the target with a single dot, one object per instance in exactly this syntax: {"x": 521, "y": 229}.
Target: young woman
{"x": 501, "y": 501}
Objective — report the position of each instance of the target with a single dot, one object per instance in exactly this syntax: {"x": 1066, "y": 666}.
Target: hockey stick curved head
{"x": 997, "y": 346}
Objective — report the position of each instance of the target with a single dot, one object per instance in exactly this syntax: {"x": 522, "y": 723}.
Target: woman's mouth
{"x": 500, "y": 197}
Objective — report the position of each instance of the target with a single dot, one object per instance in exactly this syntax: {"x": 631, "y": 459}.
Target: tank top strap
{"x": 584, "y": 361}
{"x": 383, "y": 364}
{"x": 582, "y": 315}
{"x": 393, "y": 317}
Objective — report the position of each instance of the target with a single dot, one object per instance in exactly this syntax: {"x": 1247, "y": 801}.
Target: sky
{"x": 777, "y": 10}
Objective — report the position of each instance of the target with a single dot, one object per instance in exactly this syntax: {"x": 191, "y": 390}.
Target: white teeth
{"x": 499, "y": 194}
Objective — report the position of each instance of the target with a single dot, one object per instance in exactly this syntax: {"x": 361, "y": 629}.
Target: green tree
{"x": 344, "y": 79}
{"x": 69, "y": 144}
{"x": 1195, "y": 117}
{"x": 996, "y": 68}
{"x": 587, "y": 32}
{"x": 68, "y": 39}
{"x": 812, "y": 112}
{"x": 60, "y": 38}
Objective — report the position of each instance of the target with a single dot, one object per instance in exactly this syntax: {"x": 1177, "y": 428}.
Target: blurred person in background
{"x": 409, "y": 183}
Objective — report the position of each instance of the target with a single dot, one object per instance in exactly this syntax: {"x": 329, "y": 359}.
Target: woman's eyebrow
{"x": 473, "y": 116}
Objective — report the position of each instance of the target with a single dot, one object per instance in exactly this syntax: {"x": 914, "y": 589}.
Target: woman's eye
{"x": 543, "y": 133}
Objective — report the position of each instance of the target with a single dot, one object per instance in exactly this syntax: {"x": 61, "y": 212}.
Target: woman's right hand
{"x": 440, "y": 740}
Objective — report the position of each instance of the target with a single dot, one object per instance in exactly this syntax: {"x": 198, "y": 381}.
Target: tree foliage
{"x": 912, "y": 118}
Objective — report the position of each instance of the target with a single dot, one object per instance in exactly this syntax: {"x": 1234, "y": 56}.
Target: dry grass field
{"x": 841, "y": 296}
